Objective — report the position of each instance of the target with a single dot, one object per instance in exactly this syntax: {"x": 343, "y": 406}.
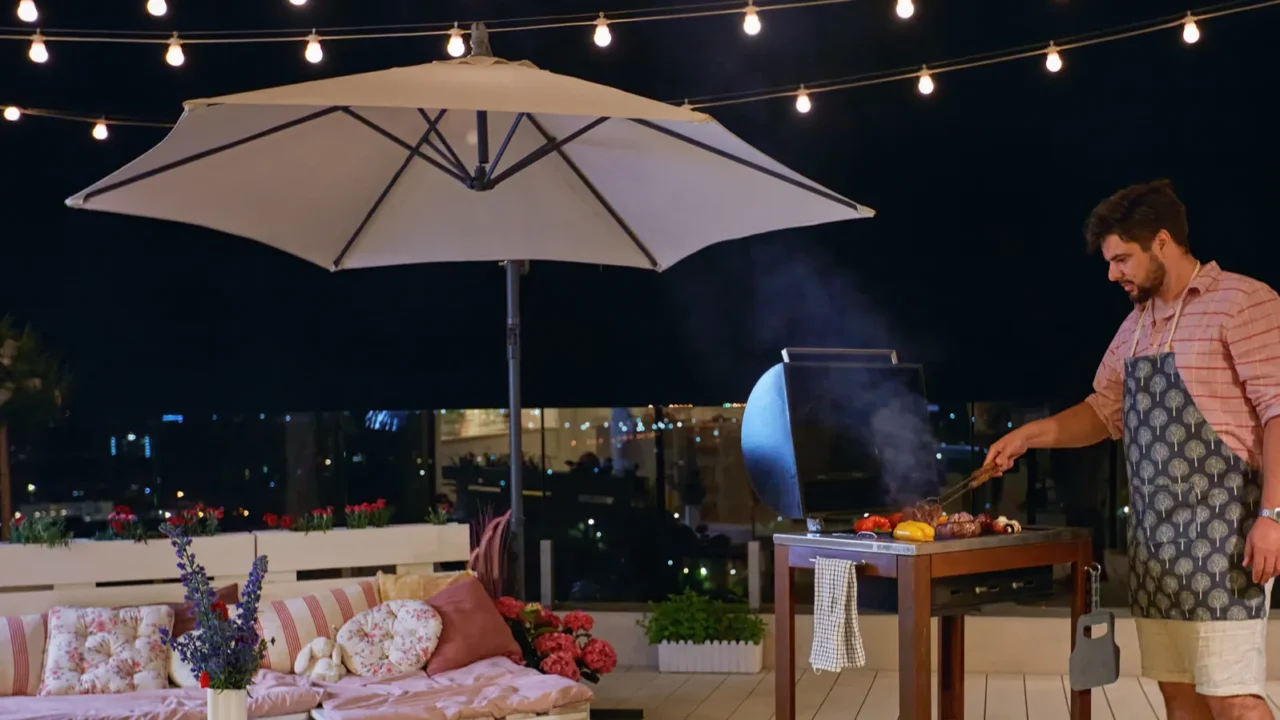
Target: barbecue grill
{"x": 831, "y": 435}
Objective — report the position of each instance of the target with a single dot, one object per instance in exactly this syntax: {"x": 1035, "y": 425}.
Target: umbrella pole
{"x": 514, "y": 269}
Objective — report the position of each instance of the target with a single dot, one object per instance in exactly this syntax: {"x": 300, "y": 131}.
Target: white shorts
{"x": 1222, "y": 658}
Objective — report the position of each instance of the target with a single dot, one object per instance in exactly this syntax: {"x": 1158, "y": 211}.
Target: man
{"x": 1191, "y": 383}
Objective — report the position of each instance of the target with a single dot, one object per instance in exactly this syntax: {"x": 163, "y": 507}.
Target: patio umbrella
{"x": 477, "y": 159}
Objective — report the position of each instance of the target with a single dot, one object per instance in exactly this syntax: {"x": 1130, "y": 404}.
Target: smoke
{"x": 800, "y": 300}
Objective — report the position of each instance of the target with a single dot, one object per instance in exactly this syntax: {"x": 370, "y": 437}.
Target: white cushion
{"x": 106, "y": 651}
{"x": 393, "y": 638}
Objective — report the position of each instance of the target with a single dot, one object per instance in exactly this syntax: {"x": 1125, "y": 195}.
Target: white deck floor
{"x": 868, "y": 695}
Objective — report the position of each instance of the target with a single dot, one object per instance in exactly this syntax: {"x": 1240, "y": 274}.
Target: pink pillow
{"x": 473, "y": 629}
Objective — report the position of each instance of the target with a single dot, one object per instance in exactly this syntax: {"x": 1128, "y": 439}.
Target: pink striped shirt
{"x": 1227, "y": 347}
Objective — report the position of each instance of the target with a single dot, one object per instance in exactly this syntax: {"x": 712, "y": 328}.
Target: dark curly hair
{"x": 1137, "y": 214}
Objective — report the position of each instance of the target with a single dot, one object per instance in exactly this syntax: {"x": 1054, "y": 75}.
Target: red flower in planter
{"x": 562, "y": 665}
{"x": 509, "y": 607}
{"x": 271, "y": 519}
{"x": 177, "y": 520}
{"x": 599, "y": 656}
{"x": 286, "y": 522}
{"x": 578, "y": 621}
{"x": 557, "y": 644}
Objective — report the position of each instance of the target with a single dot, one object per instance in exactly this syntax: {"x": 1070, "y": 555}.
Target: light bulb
{"x": 751, "y": 21}
{"x": 27, "y": 11}
{"x": 157, "y": 7}
{"x": 313, "y": 53}
{"x": 1190, "y": 33}
{"x": 1053, "y": 61}
{"x": 905, "y": 9}
{"x": 456, "y": 46}
{"x": 38, "y": 52}
{"x": 12, "y": 113}
{"x": 100, "y": 131}
{"x": 174, "y": 56}
{"x": 603, "y": 37}
{"x": 299, "y": 3}
{"x": 803, "y": 104}
{"x": 925, "y": 86}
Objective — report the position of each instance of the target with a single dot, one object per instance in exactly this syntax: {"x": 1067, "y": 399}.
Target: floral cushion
{"x": 393, "y": 638}
{"x": 106, "y": 651}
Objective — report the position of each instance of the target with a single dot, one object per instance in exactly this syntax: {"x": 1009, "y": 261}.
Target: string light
{"x": 27, "y": 11}
{"x": 174, "y": 55}
{"x": 313, "y": 53}
{"x": 803, "y": 105}
{"x": 298, "y": 3}
{"x": 1052, "y": 60}
{"x": 602, "y": 35}
{"x": 157, "y": 7}
{"x": 925, "y": 85}
{"x": 751, "y": 21}
{"x": 100, "y": 133}
{"x": 1190, "y": 33}
{"x": 905, "y": 9}
{"x": 923, "y": 76}
{"x": 456, "y": 46}
{"x": 38, "y": 52}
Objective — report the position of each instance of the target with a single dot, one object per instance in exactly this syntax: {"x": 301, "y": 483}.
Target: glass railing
{"x": 636, "y": 502}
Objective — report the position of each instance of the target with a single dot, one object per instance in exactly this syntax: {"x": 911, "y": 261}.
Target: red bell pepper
{"x": 873, "y": 524}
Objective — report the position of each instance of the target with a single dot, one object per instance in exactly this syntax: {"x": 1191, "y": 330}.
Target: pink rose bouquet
{"x": 558, "y": 646}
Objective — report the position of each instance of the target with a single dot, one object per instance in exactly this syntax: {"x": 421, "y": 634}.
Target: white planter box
{"x": 88, "y": 562}
{"x": 712, "y": 657}
{"x": 421, "y": 544}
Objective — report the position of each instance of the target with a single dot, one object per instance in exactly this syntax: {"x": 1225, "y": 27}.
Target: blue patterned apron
{"x": 1192, "y": 500}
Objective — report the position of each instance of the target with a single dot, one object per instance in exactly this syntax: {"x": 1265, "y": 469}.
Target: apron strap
{"x": 1177, "y": 315}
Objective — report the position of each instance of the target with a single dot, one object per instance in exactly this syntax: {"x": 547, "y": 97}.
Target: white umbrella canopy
{"x": 466, "y": 160}
{"x": 381, "y": 169}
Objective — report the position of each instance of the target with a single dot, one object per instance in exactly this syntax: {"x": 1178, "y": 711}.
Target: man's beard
{"x": 1145, "y": 290}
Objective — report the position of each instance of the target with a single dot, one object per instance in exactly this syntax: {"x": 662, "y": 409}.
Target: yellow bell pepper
{"x": 913, "y": 531}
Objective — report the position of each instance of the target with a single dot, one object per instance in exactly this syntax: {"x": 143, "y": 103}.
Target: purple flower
{"x": 230, "y": 651}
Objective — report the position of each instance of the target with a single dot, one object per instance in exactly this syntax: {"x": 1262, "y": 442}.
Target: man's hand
{"x": 1006, "y": 451}
{"x": 1262, "y": 550}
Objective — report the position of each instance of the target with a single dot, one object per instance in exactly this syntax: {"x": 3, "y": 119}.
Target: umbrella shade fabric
{"x": 385, "y": 168}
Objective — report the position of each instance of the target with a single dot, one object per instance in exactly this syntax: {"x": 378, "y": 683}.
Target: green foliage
{"x": 44, "y": 530}
{"x": 32, "y": 386}
{"x": 697, "y": 619}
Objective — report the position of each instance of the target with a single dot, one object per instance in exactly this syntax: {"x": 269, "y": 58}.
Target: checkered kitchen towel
{"x": 837, "y": 641}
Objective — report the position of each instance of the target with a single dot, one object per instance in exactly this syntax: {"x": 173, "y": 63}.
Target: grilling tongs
{"x": 977, "y": 479}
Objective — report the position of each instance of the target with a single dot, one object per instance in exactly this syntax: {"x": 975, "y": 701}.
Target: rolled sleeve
{"x": 1253, "y": 339}
{"x": 1107, "y": 399}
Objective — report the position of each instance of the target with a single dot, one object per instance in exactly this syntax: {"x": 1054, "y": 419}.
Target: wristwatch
{"x": 1270, "y": 513}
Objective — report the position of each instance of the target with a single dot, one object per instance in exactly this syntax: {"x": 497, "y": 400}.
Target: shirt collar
{"x": 1201, "y": 283}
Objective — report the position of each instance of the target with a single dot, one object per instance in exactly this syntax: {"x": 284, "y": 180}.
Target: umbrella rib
{"x": 434, "y": 125}
{"x": 208, "y": 153}
{"x": 502, "y": 150}
{"x": 751, "y": 165}
{"x": 544, "y": 150}
{"x": 415, "y": 151}
{"x": 337, "y": 262}
{"x": 595, "y": 192}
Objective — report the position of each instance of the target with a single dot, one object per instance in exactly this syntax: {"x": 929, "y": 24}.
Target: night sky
{"x": 975, "y": 264}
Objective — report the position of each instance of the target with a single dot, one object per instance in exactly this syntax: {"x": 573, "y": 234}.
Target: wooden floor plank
{"x": 1101, "y": 709}
{"x": 882, "y": 700}
{"x": 1045, "y": 699}
{"x": 1151, "y": 689}
{"x": 656, "y": 692}
{"x": 759, "y": 704}
{"x": 613, "y": 688}
{"x": 727, "y": 698}
{"x": 1127, "y": 700}
{"x": 1006, "y": 698}
{"x": 811, "y": 692}
{"x": 686, "y": 698}
{"x": 847, "y": 695}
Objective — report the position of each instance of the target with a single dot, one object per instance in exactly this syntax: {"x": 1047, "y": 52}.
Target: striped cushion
{"x": 21, "y": 654}
{"x": 291, "y": 624}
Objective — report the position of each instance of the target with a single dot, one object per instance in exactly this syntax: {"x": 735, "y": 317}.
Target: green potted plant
{"x": 695, "y": 633}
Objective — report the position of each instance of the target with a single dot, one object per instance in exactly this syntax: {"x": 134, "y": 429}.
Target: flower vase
{"x": 227, "y": 704}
